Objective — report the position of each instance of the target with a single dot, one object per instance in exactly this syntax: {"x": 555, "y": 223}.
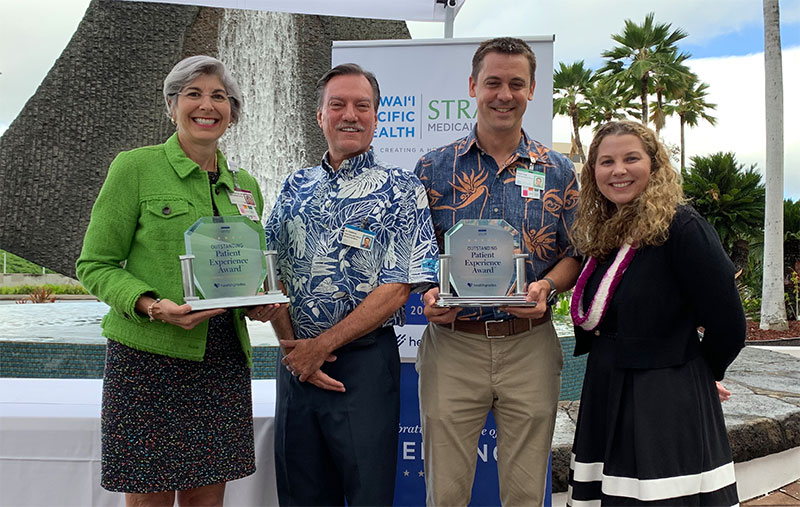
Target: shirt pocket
{"x": 165, "y": 218}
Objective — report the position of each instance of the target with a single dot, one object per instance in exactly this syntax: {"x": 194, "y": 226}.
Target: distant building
{"x": 564, "y": 149}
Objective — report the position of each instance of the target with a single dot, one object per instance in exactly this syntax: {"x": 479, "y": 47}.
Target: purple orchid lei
{"x": 599, "y": 304}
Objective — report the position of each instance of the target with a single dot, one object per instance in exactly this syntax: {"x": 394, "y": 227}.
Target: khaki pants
{"x": 461, "y": 377}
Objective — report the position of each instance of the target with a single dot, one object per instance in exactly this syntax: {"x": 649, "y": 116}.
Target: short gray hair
{"x": 189, "y": 69}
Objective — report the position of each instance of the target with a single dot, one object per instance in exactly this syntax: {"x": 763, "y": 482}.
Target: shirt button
{"x": 216, "y": 190}
{"x": 597, "y": 333}
{"x": 166, "y": 210}
{"x": 496, "y": 210}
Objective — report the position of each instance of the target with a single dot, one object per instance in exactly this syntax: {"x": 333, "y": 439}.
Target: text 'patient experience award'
{"x": 227, "y": 262}
{"x": 482, "y": 264}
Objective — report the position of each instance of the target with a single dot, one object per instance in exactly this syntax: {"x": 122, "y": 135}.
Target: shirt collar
{"x": 351, "y": 165}
{"x": 524, "y": 148}
{"x": 184, "y": 166}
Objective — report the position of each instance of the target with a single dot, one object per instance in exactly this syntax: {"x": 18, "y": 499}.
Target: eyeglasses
{"x": 194, "y": 96}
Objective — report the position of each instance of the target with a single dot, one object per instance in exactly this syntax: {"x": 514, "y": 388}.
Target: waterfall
{"x": 260, "y": 50}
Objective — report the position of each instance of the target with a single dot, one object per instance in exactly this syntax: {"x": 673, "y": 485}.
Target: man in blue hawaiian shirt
{"x": 354, "y": 238}
{"x": 507, "y": 360}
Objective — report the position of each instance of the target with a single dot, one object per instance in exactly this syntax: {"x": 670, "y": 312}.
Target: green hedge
{"x": 55, "y": 289}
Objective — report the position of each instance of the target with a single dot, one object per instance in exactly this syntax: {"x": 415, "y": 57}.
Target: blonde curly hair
{"x": 600, "y": 227}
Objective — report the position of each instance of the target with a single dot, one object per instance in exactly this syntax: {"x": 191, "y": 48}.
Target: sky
{"x": 726, "y": 41}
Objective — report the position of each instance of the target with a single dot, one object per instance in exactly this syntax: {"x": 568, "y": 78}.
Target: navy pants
{"x": 333, "y": 447}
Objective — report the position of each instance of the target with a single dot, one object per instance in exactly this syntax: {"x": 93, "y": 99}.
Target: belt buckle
{"x": 486, "y": 328}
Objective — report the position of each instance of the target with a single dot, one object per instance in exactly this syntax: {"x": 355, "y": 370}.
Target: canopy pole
{"x": 449, "y": 18}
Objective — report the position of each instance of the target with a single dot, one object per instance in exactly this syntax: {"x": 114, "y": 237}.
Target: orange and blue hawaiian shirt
{"x": 462, "y": 181}
{"x": 324, "y": 277}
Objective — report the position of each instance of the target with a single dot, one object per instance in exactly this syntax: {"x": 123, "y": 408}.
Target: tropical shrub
{"x": 728, "y": 195}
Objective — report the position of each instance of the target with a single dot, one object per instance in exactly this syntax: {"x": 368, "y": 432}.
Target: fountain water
{"x": 260, "y": 49}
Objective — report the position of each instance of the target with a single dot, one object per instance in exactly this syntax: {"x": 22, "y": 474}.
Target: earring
{"x": 172, "y": 119}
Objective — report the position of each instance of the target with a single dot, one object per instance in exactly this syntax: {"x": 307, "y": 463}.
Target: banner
{"x": 425, "y": 102}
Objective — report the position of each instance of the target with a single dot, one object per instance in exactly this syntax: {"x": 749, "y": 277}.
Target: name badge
{"x": 358, "y": 238}
{"x": 248, "y": 211}
{"x": 529, "y": 178}
{"x": 245, "y": 203}
{"x": 524, "y": 177}
{"x": 531, "y": 193}
{"x": 241, "y": 197}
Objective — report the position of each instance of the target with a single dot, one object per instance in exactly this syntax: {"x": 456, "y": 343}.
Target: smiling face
{"x": 502, "y": 91}
{"x": 347, "y": 117}
{"x": 202, "y": 111}
{"x": 622, "y": 168}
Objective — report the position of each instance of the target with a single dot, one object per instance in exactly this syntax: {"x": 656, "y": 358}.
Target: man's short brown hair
{"x": 504, "y": 45}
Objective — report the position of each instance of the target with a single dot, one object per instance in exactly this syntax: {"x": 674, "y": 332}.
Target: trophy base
{"x": 472, "y": 301}
{"x": 236, "y": 302}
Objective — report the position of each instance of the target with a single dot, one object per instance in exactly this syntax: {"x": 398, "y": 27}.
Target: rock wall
{"x": 103, "y": 95}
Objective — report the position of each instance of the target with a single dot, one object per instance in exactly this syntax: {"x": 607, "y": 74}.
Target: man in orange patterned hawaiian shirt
{"x": 507, "y": 360}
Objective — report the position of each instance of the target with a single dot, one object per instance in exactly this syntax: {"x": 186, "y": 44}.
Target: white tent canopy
{"x": 408, "y": 10}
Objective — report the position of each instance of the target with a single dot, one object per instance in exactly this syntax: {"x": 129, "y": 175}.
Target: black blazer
{"x": 666, "y": 293}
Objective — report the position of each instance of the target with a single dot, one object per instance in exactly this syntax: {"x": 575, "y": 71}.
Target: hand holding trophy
{"x": 227, "y": 261}
{"x": 482, "y": 265}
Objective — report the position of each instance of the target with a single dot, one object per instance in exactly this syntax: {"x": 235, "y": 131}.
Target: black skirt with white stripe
{"x": 650, "y": 436}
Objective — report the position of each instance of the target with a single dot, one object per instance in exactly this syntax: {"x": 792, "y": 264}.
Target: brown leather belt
{"x": 498, "y": 328}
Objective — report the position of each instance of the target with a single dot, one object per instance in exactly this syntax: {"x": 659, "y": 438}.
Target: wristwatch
{"x": 552, "y": 296}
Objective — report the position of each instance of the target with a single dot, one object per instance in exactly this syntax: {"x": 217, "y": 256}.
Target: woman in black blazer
{"x": 650, "y": 428}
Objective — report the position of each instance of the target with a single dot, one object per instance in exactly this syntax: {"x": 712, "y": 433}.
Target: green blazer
{"x": 135, "y": 235}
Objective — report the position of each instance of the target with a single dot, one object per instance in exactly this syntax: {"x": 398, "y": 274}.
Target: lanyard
{"x": 235, "y": 173}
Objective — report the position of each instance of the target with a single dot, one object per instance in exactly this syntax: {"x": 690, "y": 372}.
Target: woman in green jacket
{"x": 177, "y": 409}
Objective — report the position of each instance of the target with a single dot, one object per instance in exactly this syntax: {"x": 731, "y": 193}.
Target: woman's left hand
{"x": 264, "y": 313}
{"x": 179, "y": 315}
{"x": 723, "y": 393}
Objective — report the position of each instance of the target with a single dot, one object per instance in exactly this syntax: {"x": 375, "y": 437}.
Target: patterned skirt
{"x": 171, "y": 424}
{"x": 649, "y": 437}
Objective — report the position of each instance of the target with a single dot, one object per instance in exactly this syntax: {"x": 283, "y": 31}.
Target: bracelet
{"x": 150, "y": 309}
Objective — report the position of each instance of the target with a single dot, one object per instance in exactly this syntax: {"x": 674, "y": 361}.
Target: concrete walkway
{"x": 762, "y": 417}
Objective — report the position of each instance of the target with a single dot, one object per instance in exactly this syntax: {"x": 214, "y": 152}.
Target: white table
{"x": 50, "y": 445}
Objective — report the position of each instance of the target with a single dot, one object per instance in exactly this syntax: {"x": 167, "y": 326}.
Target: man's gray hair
{"x": 349, "y": 69}
{"x": 189, "y": 69}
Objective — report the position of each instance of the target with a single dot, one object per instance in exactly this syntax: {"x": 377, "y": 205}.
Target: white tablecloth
{"x": 50, "y": 445}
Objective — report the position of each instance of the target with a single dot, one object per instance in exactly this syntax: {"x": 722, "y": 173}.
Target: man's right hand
{"x": 438, "y": 314}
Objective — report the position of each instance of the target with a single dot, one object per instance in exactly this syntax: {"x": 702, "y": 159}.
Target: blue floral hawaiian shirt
{"x": 325, "y": 278}
{"x": 462, "y": 181}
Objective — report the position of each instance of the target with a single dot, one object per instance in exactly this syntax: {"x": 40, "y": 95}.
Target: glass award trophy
{"x": 480, "y": 262}
{"x": 226, "y": 261}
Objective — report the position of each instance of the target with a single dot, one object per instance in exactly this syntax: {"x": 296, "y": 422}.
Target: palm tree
{"x": 570, "y": 85}
{"x": 691, "y": 107}
{"x": 642, "y": 51}
{"x": 610, "y": 99}
{"x": 728, "y": 195}
{"x": 670, "y": 78}
{"x": 773, "y": 311}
